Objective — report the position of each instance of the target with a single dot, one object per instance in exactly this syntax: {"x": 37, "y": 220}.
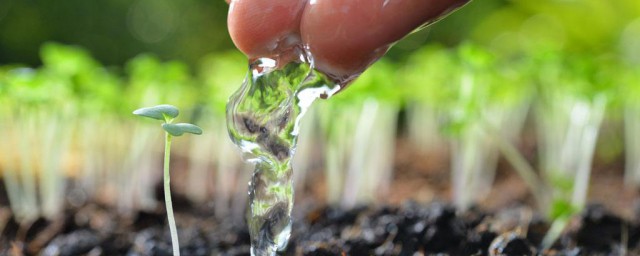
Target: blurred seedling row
{"x": 69, "y": 137}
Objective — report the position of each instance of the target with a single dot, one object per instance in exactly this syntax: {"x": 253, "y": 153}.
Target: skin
{"x": 343, "y": 36}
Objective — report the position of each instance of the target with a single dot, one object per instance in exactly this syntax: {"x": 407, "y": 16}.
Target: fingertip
{"x": 260, "y": 28}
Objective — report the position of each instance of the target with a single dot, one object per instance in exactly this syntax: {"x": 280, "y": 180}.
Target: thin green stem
{"x": 554, "y": 232}
{"x": 167, "y": 196}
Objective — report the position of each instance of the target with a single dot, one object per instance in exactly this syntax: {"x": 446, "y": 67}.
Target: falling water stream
{"x": 263, "y": 119}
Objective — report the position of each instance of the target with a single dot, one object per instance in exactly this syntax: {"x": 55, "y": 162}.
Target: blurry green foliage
{"x": 114, "y": 30}
{"x": 380, "y": 81}
{"x": 461, "y": 80}
{"x": 434, "y": 71}
{"x": 152, "y": 81}
{"x": 578, "y": 26}
{"x": 71, "y": 76}
{"x": 629, "y": 85}
{"x": 93, "y": 85}
{"x": 221, "y": 75}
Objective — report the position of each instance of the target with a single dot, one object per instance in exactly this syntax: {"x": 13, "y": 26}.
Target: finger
{"x": 260, "y": 27}
{"x": 346, "y": 36}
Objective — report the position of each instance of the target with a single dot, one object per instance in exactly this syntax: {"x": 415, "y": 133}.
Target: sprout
{"x": 181, "y": 128}
{"x": 167, "y": 113}
{"x": 161, "y": 112}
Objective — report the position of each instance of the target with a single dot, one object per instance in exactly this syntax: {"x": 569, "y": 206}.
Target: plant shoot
{"x": 167, "y": 113}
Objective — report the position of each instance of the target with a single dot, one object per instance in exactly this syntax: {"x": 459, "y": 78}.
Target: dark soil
{"x": 434, "y": 229}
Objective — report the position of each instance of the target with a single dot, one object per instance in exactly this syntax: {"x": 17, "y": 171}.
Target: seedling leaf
{"x": 561, "y": 209}
{"x": 181, "y": 128}
{"x": 158, "y": 112}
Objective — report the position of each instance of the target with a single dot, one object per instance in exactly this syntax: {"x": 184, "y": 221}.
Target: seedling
{"x": 167, "y": 113}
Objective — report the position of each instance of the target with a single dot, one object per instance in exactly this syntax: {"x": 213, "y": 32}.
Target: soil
{"x": 413, "y": 220}
{"x": 434, "y": 229}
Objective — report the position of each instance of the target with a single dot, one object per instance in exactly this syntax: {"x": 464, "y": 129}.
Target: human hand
{"x": 343, "y": 36}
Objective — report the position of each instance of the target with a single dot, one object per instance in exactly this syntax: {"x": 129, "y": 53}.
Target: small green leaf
{"x": 158, "y": 112}
{"x": 561, "y": 209}
{"x": 181, "y": 128}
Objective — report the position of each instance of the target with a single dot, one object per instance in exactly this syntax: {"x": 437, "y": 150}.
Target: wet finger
{"x": 346, "y": 36}
{"x": 259, "y": 28}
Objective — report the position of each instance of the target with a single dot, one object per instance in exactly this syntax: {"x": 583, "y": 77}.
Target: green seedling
{"x": 167, "y": 113}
